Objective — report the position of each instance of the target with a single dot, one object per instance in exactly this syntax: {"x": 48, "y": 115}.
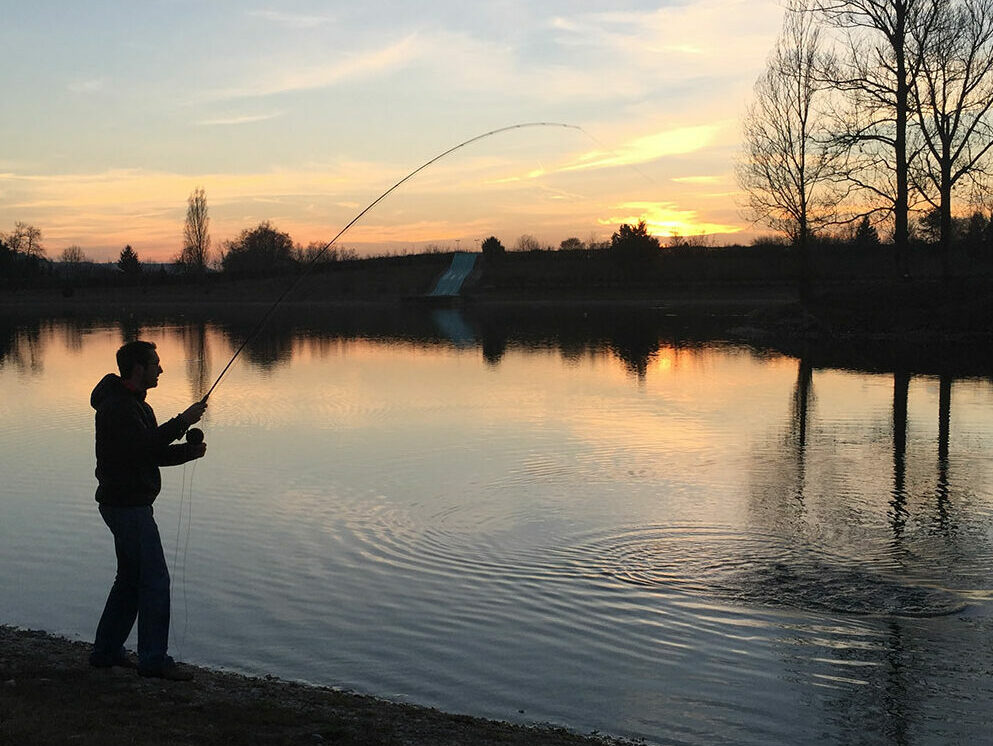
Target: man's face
{"x": 150, "y": 372}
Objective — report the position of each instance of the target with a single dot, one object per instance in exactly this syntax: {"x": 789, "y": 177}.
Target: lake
{"x": 611, "y": 521}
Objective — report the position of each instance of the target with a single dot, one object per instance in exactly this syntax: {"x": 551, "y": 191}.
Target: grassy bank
{"x": 49, "y": 695}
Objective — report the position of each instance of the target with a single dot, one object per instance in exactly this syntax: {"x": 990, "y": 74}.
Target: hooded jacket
{"x": 131, "y": 446}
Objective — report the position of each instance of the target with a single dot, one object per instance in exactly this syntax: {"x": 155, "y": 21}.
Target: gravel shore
{"x": 50, "y": 695}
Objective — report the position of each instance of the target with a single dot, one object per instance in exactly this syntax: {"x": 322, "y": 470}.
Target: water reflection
{"x": 634, "y": 335}
{"x": 515, "y": 504}
{"x": 20, "y": 344}
{"x": 944, "y": 427}
{"x": 898, "y": 504}
{"x": 827, "y": 559}
{"x": 198, "y": 358}
{"x": 800, "y": 406}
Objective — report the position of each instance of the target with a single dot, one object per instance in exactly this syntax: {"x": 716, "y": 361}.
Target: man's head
{"x": 138, "y": 363}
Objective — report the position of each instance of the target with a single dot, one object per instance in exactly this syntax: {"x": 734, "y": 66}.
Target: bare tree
{"x": 954, "y": 95}
{"x": 527, "y": 242}
{"x": 26, "y": 239}
{"x": 70, "y": 258}
{"x": 788, "y": 171}
{"x": 318, "y": 252}
{"x": 882, "y": 57}
{"x": 196, "y": 238}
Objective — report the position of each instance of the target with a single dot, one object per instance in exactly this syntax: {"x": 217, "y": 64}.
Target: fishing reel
{"x": 194, "y": 436}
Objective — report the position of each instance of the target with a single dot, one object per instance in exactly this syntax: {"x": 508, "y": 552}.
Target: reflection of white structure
{"x": 452, "y": 324}
{"x": 450, "y": 283}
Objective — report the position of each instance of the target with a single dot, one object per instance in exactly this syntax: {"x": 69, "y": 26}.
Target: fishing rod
{"x": 380, "y": 198}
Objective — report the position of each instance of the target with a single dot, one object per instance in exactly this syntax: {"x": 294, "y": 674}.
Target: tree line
{"x": 870, "y": 112}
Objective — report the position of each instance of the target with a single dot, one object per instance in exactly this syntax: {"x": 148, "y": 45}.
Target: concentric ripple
{"x": 757, "y": 569}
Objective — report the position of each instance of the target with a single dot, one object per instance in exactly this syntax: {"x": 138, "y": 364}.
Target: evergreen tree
{"x": 866, "y": 236}
{"x": 128, "y": 263}
{"x": 634, "y": 244}
{"x": 976, "y": 233}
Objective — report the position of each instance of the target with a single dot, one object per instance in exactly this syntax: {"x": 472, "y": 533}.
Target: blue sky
{"x": 303, "y": 112}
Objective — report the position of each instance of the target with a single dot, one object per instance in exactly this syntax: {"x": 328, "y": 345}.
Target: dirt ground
{"x": 50, "y": 695}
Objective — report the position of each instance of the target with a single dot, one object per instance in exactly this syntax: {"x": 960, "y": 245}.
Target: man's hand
{"x": 193, "y": 414}
{"x": 199, "y": 450}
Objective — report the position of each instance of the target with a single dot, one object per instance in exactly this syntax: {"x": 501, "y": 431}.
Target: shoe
{"x": 120, "y": 661}
{"x": 170, "y": 671}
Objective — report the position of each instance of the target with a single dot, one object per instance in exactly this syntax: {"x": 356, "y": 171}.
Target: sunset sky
{"x": 302, "y": 113}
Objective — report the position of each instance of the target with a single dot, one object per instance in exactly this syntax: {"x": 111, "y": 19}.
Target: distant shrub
{"x": 262, "y": 249}
{"x": 492, "y": 248}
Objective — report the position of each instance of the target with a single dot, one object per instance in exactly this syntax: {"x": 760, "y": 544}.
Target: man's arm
{"x": 132, "y": 433}
{"x": 173, "y": 455}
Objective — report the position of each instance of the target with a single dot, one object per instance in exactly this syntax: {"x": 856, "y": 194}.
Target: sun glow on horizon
{"x": 665, "y": 219}
{"x": 303, "y": 116}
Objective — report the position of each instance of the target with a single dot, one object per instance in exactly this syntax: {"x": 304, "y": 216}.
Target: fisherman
{"x": 130, "y": 448}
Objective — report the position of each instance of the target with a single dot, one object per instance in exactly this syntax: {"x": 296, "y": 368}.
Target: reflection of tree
{"x": 895, "y": 662}
{"x": 898, "y": 503}
{"x": 130, "y": 328}
{"x": 881, "y": 707}
{"x": 494, "y": 345}
{"x": 270, "y": 347}
{"x": 635, "y": 345}
{"x": 197, "y": 358}
{"x": 800, "y": 405}
{"x": 633, "y": 335}
{"x": 20, "y": 345}
{"x": 73, "y": 332}
{"x": 780, "y": 474}
{"x": 918, "y": 499}
{"x": 944, "y": 425}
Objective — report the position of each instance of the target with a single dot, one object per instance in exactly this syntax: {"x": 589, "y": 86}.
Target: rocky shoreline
{"x": 50, "y": 695}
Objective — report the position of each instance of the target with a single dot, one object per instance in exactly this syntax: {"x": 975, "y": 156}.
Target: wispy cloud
{"x": 677, "y": 141}
{"x": 697, "y": 179}
{"x": 291, "y": 20}
{"x": 245, "y": 119}
{"x": 360, "y": 65}
{"x": 704, "y": 38}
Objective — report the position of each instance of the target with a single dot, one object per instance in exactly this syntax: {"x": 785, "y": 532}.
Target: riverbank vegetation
{"x": 633, "y": 262}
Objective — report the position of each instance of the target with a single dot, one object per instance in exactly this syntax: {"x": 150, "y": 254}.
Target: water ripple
{"x": 754, "y": 568}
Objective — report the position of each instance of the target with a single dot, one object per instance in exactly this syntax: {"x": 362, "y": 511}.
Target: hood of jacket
{"x": 110, "y": 385}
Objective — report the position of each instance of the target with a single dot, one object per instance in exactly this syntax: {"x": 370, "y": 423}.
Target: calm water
{"x": 632, "y": 531}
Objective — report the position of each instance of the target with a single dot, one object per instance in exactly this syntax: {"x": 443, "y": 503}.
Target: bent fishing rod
{"x": 353, "y": 221}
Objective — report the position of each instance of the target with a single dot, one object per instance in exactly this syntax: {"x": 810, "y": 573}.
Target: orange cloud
{"x": 665, "y": 219}
{"x": 677, "y": 141}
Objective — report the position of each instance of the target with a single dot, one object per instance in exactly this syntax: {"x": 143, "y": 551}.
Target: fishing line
{"x": 380, "y": 198}
{"x": 185, "y": 489}
{"x": 186, "y": 556}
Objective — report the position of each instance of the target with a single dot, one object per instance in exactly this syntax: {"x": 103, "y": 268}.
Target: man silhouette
{"x": 130, "y": 448}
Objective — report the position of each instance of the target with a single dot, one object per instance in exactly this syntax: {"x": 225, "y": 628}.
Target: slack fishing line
{"x": 353, "y": 221}
{"x": 185, "y": 499}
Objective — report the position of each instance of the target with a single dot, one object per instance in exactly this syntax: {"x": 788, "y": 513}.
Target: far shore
{"x": 921, "y": 325}
{"x": 50, "y": 695}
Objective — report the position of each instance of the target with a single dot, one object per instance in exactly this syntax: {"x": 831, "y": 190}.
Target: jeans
{"x": 140, "y": 590}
